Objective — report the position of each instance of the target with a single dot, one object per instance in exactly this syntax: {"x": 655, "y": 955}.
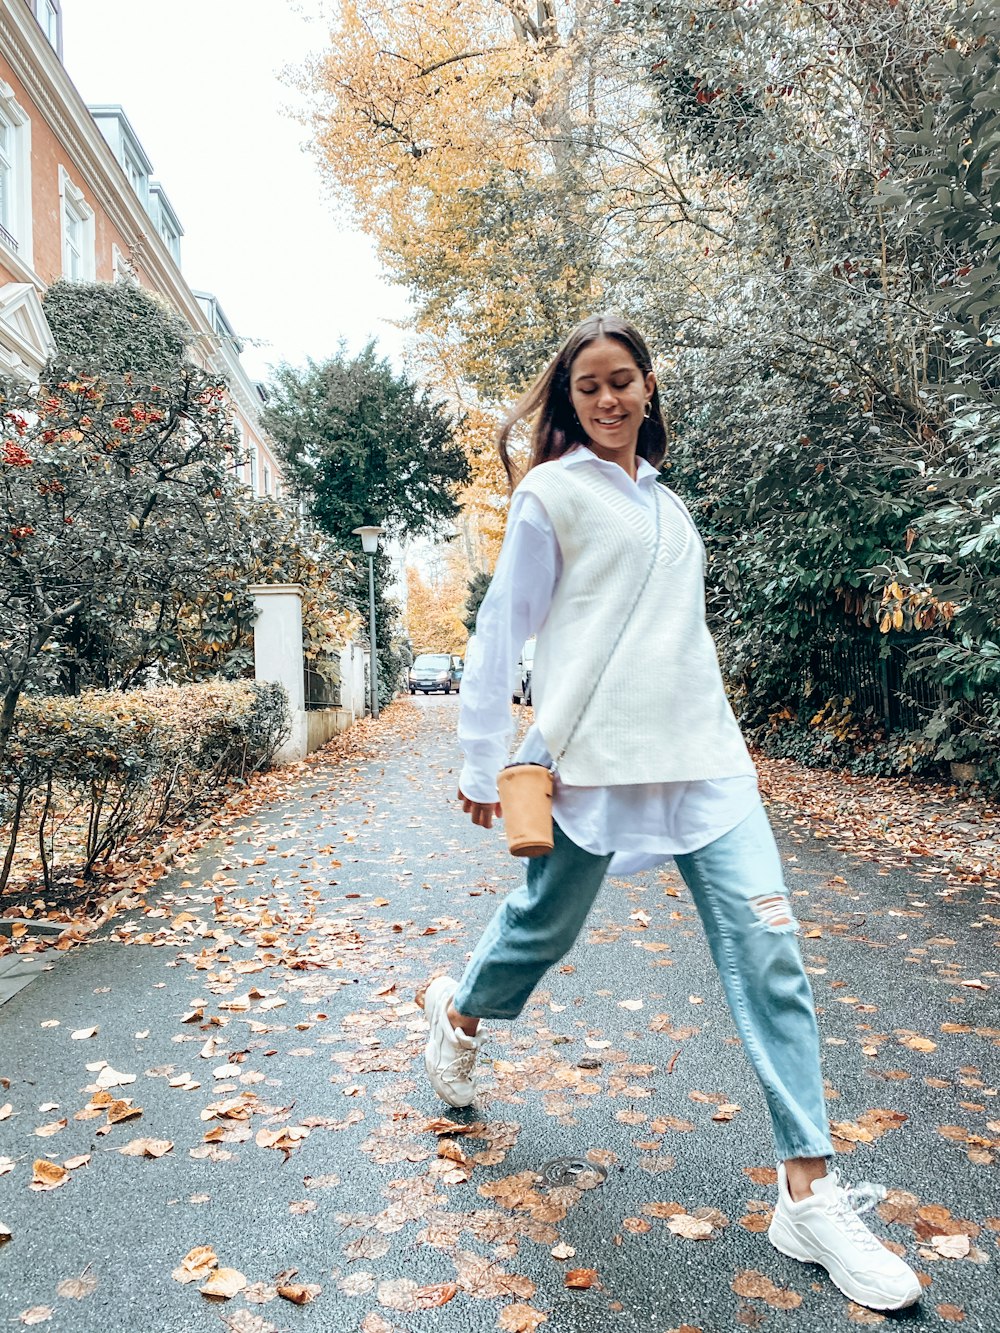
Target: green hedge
{"x": 81, "y": 776}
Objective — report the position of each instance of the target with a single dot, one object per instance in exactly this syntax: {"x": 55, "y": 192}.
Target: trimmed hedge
{"x": 111, "y": 766}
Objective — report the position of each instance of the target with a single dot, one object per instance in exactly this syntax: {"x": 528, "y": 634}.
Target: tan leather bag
{"x": 526, "y": 800}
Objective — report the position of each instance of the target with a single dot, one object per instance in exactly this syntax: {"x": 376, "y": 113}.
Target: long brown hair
{"x": 556, "y": 428}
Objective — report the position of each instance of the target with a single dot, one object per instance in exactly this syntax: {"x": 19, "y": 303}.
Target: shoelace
{"x": 842, "y": 1204}
{"x": 462, "y": 1065}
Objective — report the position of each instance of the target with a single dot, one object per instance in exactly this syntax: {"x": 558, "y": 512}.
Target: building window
{"x": 122, "y": 268}
{"x": 48, "y": 17}
{"x": 77, "y": 232}
{"x": 15, "y": 175}
{"x": 267, "y": 480}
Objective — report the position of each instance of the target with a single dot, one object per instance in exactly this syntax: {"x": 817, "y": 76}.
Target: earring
{"x": 648, "y": 410}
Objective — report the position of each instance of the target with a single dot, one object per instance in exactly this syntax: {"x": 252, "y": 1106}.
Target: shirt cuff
{"x": 477, "y": 785}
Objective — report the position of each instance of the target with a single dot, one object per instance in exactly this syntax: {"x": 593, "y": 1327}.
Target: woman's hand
{"x": 482, "y": 813}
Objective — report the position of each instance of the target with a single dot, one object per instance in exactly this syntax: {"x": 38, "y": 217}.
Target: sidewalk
{"x": 256, "y": 1050}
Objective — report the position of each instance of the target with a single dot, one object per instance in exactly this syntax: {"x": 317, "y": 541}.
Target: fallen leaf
{"x": 580, "y": 1279}
{"x": 520, "y": 1319}
{"x": 196, "y": 1264}
{"x": 146, "y": 1148}
{"x": 562, "y": 1251}
{"x": 81, "y": 1034}
{"x": 752, "y": 1284}
{"x": 6, "y": 1110}
{"x": 122, "y": 1110}
{"x": 244, "y": 1321}
{"x": 951, "y": 1247}
{"x": 223, "y": 1284}
{"x": 300, "y": 1293}
{"x": 112, "y": 1078}
{"x": 46, "y": 1131}
{"x": 5, "y": 1233}
{"x": 691, "y": 1228}
{"x": 76, "y": 1288}
{"x": 38, "y": 1314}
{"x": 953, "y": 1313}
{"x": 48, "y": 1175}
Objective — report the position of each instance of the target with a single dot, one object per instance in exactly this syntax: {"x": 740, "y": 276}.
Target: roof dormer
{"x": 124, "y": 142}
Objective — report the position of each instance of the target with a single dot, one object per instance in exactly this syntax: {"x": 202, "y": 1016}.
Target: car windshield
{"x": 435, "y": 661}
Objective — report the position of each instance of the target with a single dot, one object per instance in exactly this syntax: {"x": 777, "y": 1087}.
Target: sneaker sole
{"x": 779, "y": 1238}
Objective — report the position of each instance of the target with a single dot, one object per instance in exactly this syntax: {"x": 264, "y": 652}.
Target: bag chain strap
{"x": 554, "y": 766}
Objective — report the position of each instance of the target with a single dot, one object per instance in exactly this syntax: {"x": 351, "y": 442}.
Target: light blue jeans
{"x": 738, "y": 888}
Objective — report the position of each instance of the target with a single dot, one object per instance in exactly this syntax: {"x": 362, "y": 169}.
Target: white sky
{"x": 199, "y": 82}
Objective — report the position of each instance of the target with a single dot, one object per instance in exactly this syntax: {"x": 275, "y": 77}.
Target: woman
{"x": 605, "y": 565}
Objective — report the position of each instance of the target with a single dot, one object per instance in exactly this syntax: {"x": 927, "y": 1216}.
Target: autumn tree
{"x": 363, "y": 444}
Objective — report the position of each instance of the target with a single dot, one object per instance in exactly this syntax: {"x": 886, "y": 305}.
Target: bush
{"x": 112, "y": 766}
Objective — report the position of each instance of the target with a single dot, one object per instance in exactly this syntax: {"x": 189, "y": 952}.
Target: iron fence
{"x": 879, "y": 679}
{"x": 323, "y": 684}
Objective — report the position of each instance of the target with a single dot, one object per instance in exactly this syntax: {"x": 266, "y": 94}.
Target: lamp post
{"x": 369, "y": 544}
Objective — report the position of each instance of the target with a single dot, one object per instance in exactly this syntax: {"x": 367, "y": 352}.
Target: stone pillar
{"x": 277, "y": 656}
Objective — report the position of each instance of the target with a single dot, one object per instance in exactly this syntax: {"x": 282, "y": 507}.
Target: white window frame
{"x": 48, "y": 18}
{"x": 73, "y": 207}
{"x": 19, "y": 123}
{"x": 122, "y": 269}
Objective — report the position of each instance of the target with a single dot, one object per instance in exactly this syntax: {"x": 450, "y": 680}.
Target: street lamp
{"x": 369, "y": 544}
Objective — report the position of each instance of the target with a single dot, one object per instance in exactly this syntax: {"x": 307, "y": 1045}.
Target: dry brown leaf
{"x": 223, "y": 1284}
{"x": 374, "y": 1323}
{"x": 951, "y": 1247}
{"x": 146, "y": 1148}
{"x": 76, "y": 1288}
{"x": 196, "y": 1264}
{"x": 73, "y": 1163}
{"x": 691, "y": 1228}
{"x": 918, "y": 1043}
{"x": 53, "y": 1127}
{"x": 38, "y": 1314}
{"x": 82, "y": 1034}
{"x": 860, "y": 1314}
{"x": 5, "y": 1233}
{"x": 47, "y": 1175}
{"x": 122, "y": 1110}
{"x": 299, "y": 1293}
{"x": 752, "y": 1284}
{"x": 520, "y": 1318}
{"x": 580, "y": 1279}
{"x": 953, "y": 1313}
{"x": 243, "y": 1321}
{"x": 438, "y": 1293}
{"x": 562, "y": 1251}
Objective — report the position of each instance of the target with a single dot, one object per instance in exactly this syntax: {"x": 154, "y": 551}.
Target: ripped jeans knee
{"x": 773, "y": 912}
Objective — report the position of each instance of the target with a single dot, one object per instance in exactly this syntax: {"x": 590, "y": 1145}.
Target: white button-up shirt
{"x": 641, "y": 824}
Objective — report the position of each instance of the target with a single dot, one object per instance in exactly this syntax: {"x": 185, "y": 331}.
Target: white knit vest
{"x": 659, "y": 713}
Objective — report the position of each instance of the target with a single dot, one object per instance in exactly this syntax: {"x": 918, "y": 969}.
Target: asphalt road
{"x": 276, "y": 970}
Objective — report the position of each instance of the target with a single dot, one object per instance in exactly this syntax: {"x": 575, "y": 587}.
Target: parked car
{"x": 431, "y": 671}
{"x": 522, "y": 690}
{"x": 457, "y": 670}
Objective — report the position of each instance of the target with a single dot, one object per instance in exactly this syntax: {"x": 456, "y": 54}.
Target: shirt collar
{"x": 581, "y": 454}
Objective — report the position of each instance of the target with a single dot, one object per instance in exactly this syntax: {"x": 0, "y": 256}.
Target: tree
{"x": 363, "y": 444}
{"x": 433, "y": 613}
{"x": 478, "y": 587}
{"x": 112, "y": 494}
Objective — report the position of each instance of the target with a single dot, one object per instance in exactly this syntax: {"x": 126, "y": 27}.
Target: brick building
{"x": 78, "y": 200}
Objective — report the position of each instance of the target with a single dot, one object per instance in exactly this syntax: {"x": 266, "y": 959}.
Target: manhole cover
{"x": 572, "y": 1171}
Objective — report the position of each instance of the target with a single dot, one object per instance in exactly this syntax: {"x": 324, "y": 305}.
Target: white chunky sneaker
{"x": 824, "y": 1229}
{"x": 450, "y": 1055}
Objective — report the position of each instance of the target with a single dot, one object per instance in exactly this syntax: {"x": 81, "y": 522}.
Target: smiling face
{"x": 609, "y": 393}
